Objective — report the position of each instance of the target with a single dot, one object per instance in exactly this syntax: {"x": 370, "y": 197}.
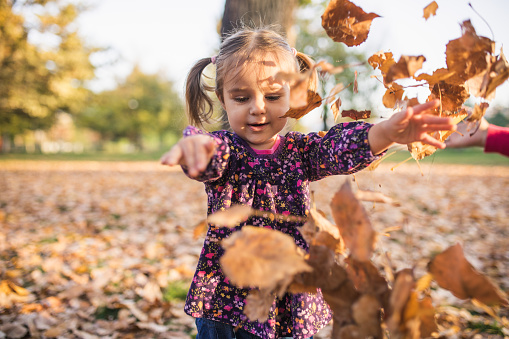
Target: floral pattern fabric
{"x": 279, "y": 183}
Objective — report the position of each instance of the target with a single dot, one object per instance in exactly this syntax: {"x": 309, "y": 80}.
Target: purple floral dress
{"x": 277, "y": 182}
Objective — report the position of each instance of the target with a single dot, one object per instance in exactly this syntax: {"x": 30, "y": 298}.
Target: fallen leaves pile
{"x": 99, "y": 250}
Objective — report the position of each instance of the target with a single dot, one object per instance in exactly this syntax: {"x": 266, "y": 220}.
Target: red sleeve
{"x": 497, "y": 140}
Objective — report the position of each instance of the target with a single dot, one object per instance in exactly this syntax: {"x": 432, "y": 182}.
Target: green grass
{"x": 470, "y": 156}
{"x": 149, "y": 156}
{"x": 176, "y": 290}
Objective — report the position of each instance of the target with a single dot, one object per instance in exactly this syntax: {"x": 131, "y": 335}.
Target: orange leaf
{"x": 452, "y": 271}
{"x": 231, "y": 217}
{"x": 382, "y": 61}
{"x": 430, "y": 10}
{"x": 314, "y": 100}
{"x": 335, "y": 108}
{"x": 404, "y": 68}
{"x": 393, "y": 94}
{"x": 353, "y": 223}
{"x": 261, "y": 257}
{"x": 356, "y": 115}
{"x": 346, "y": 22}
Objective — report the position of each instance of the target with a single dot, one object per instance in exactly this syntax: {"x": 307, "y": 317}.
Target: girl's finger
{"x": 418, "y": 109}
{"x": 172, "y": 157}
{"x": 428, "y": 139}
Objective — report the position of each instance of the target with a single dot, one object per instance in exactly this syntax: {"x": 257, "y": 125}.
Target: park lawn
{"x": 472, "y": 156}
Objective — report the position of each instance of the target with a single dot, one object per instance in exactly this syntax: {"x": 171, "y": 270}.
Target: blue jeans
{"x": 210, "y": 329}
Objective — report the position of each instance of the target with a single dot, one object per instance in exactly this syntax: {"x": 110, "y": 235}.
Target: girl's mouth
{"x": 257, "y": 127}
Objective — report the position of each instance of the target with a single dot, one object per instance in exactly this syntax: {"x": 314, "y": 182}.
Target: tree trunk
{"x": 259, "y": 13}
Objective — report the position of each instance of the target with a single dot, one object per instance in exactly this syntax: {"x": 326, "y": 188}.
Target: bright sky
{"x": 169, "y": 35}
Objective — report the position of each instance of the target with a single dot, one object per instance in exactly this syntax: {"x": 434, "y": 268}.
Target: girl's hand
{"x": 194, "y": 152}
{"x": 409, "y": 126}
{"x": 465, "y": 139}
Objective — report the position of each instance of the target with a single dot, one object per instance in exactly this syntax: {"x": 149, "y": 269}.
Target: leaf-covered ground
{"x": 106, "y": 250}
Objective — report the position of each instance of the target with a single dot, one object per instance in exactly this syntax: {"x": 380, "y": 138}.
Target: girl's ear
{"x": 221, "y": 99}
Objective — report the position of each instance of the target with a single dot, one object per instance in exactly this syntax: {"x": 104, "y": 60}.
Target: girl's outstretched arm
{"x": 409, "y": 126}
{"x": 194, "y": 152}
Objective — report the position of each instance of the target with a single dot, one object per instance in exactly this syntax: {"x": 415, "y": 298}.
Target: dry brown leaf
{"x": 470, "y": 54}
{"x": 495, "y": 76}
{"x": 335, "y": 90}
{"x": 478, "y": 112}
{"x": 356, "y": 115}
{"x": 441, "y": 74}
{"x": 418, "y": 150}
{"x": 366, "y": 313}
{"x": 261, "y": 257}
{"x": 430, "y": 10}
{"x": 319, "y": 231}
{"x": 451, "y": 96}
{"x": 404, "y": 68}
{"x": 314, "y": 100}
{"x": 375, "y": 197}
{"x": 346, "y": 22}
{"x": 401, "y": 292}
{"x": 393, "y": 94}
{"x": 335, "y": 108}
{"x": 383, "y": 61}
{"x": 367, "y": 279}
{"x": 258, "y": 303}
{"x": 452, "y": 271}
{"x": 353, "y": 223}
{"x": 230, "y": 217}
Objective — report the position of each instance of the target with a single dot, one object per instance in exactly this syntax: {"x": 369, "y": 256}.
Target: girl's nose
{"x": 258, "y": 106}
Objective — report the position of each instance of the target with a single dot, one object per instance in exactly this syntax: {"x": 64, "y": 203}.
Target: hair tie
{"x": 213, "y": 59}
{"x": 294, "y": 51}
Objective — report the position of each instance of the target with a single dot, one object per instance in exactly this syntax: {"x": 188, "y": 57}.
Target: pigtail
{"x": 306, "y": 64}
{"x": 200, "y": 106}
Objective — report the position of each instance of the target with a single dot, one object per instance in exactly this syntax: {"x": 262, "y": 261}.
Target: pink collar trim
{"x": 270, "y": 150}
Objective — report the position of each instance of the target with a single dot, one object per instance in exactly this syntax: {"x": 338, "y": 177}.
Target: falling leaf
{"x": 366, "y": 313}
{"x": 452, "y": 271}
{"x": 353, "y": 223}
{"x": 319, "y": 231}
{"x": 200, "y": 229}
{"x": 314, "y": 100}
{"x": 231, "y": 217}
{"x": 261, "y": 257}
{"x": 258, "y": 304}
{"x": 346, "y": 22}
{"x": 375, "y": 197}
{"x": 382, "y": 60}
{"x": 430, "y": 10}
{"x": 439, "y": 75}
{"x": 299, "y": 86}
{"x": 404, "y": 68}
{"x": 468, "y": 55}
{"x": 419, "y": 151}
{"x": 451, "y": 96}
{"x": 478, "y": 112}
{"x": 356, "y": 115}
{"x": 355, "y": 84}
{"x": 335, "y": 107}
{"x": 367, "y": 279}
{"x": 401, "y": 292}
{"x": 495, "y": 76}
{"x": 393, "y": 94}
{"x": 335, "y": 90}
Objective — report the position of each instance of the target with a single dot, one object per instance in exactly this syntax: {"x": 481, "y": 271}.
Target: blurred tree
{"x": 142, "y": 105}
{"x": 43, "y": 65}
{"x": 260, "y": 13}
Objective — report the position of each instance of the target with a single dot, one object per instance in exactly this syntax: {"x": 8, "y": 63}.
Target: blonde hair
{"x": 246, "y": 44}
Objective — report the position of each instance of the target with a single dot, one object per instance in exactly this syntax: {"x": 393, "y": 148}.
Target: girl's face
{"x": 255, "y": 102}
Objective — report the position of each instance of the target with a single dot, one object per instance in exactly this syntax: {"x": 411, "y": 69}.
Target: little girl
{"x": 254, "y": 165}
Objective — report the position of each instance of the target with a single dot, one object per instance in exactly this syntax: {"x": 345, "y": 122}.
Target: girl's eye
{"x": 273, "y": 97}
{"x": 240, "y": 99}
